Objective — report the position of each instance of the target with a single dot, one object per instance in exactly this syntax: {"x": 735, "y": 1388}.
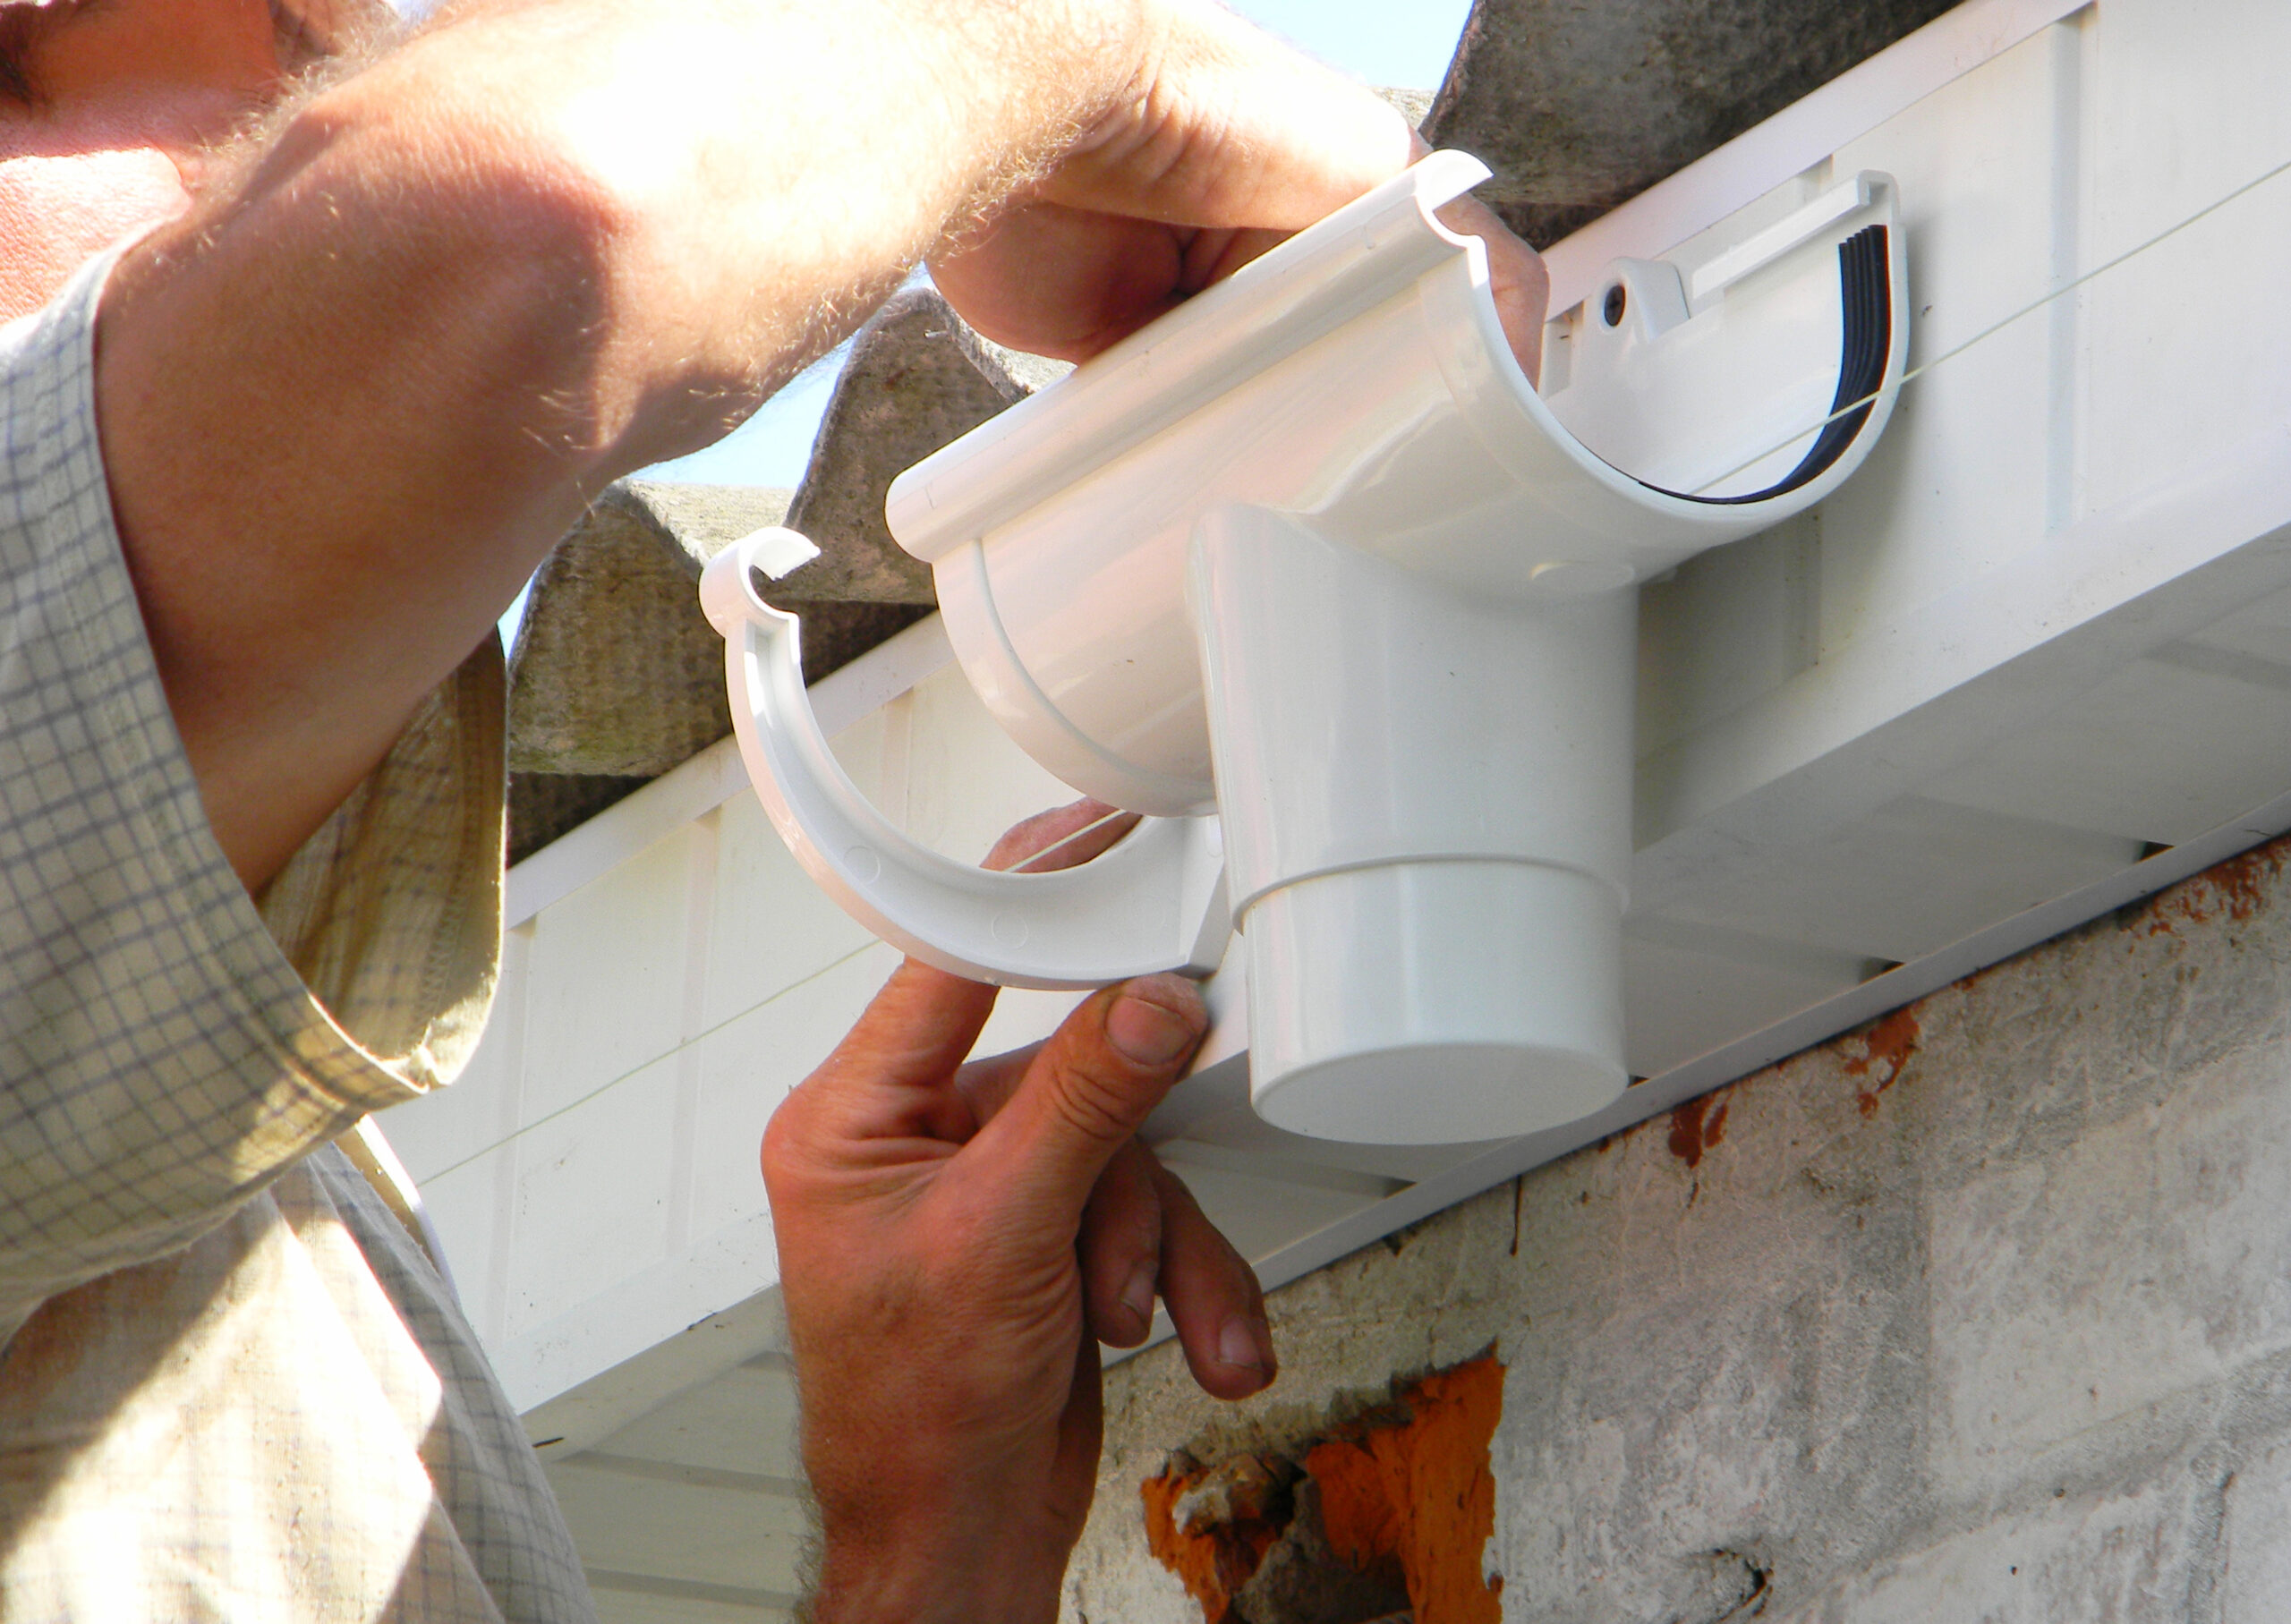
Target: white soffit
{"x": 1796, "y": 139}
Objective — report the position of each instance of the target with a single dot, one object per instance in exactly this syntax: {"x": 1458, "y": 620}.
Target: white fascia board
{"x": 577, "y": 1417}
{"x": 603, "y": 1334}
{"x": 1794, "y": 141}
{"x": 714, "y": 776}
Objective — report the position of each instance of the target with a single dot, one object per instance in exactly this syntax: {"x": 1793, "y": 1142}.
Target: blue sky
{"x": 1388, "y": 42}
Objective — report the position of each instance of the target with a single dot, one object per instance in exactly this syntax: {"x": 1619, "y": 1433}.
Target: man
{"x": 309, "y": 377}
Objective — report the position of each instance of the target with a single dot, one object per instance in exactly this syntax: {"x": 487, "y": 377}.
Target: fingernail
{"x": 1138, "y": 1296}
{"x": 1149, "y": 1033}
{"x": 1237, "y": 1346}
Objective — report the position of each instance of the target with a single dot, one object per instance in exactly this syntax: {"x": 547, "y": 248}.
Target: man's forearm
{"x": 353, "y": 398}
{"x": 745, "y": 179}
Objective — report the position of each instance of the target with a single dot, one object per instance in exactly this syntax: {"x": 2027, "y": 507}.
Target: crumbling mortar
{"x": 2207, "y": 1569}
{"x": 2132, "y": 1052}
{"x": 2201, "y": 1436}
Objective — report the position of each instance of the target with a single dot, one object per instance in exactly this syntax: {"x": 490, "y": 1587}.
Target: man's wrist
{"x": 992, "y": 1567}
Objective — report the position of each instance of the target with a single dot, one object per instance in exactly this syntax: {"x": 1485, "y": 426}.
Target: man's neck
{"x": 130, "y": 93}
{"x": 109, "y": 47}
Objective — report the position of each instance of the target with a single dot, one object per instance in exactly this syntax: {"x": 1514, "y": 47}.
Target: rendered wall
{"x": 1983, "y": 1313}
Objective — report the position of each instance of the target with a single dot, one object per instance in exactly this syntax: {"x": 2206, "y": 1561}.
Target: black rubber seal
{"x": 1866, "y": 297}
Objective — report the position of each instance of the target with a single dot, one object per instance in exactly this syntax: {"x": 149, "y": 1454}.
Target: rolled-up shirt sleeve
{"x": 167, "y": 1047}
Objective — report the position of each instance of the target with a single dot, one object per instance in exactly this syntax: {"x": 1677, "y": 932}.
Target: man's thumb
{"x": 1091, "y": 1086}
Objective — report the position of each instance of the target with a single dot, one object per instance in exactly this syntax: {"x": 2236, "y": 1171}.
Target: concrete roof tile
{"x": 917, "y": 379}
{"x": 616, "y": 676}
{"x": 1578, "y": 107}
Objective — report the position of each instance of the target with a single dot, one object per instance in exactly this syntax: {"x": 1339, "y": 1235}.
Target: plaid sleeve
{"x": 162, "y": 1057}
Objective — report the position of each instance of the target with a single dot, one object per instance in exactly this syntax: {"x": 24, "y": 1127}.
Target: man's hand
{"x": 1226, "y": 142}
{"x": 955, "y": 1239}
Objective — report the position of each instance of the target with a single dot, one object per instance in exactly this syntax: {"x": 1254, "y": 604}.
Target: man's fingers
{"x": 1088, "y": 1090}
{"x": 1060, "y": 281}
{"x": 987, "y": 1084}
{"x": 1121, "y": 1248}
{"x": 1213, "y": 1296}
{"x": 889, "y": 1075}
{"x": 1143, "y": 1234}
{"x": 1236, "y": 136}
{"x": 890, "y": 1070}
{"x": 1064, "y": 837}
{"x": 1516, "y": 280}
{"x": 1235, "y": 129}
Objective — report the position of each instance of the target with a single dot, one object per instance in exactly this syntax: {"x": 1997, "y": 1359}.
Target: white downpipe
{"x": 1429, "y": 812}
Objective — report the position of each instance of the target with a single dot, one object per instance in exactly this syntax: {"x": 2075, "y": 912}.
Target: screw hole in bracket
{"x": 1616, "y": 303}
